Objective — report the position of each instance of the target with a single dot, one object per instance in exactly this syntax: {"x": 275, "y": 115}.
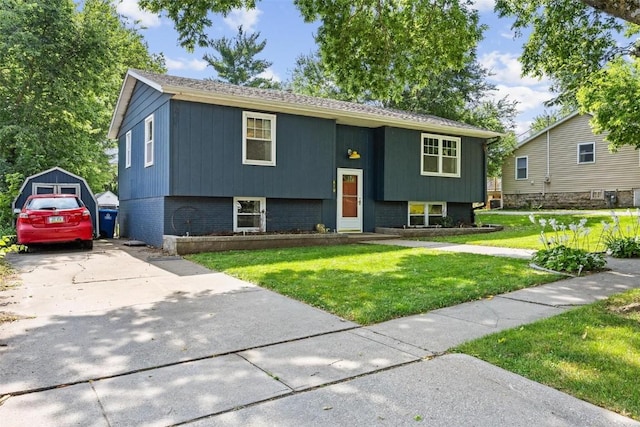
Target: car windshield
{"x": 53, "y": 203}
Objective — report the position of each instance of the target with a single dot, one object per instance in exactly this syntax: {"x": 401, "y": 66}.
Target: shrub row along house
{"x": 567, "y": 166}
{"x": 199, "y": 157}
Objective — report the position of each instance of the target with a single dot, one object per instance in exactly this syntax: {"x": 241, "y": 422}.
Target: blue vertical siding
{"x": 400, "y": 170}
{"x": 138, "y": 181}
{"x": 206, "y": 155}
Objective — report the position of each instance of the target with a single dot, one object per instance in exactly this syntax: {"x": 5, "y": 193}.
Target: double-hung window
{"x": 148, "y": 141}
{"x": 522, "y": 167}
{"x": 258, "y": 139}
{"x": 587, "y": 152}
{"x": 422, "y": 214}
{"x": 440, "y": 155}
{"x": 127, "y": 150}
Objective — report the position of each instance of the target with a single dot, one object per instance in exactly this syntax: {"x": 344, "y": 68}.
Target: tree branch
{"x": 628, "y": 10}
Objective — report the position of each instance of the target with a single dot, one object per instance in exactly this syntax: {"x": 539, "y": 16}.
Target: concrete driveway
{"x": 126, "y": 336}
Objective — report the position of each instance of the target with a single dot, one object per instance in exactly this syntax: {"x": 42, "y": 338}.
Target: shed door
{"x": 349, "y": 200}
{"x": 44, "y": 188}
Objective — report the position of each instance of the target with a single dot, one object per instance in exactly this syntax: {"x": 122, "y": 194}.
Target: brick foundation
{"x": 578, "y": 200}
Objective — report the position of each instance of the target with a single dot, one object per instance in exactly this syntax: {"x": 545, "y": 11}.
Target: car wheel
{"x": 87, "y": 244}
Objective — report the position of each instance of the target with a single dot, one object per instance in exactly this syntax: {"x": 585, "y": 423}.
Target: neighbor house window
{"x": 440, "y": 155}
{"x": 148, "y": 141}
{"x": 522, "y": 167}
{"x": 249, "y": 214}
{"x": 426, "y": 213}
{"x": 258, "y": 139}
{"x": 587, "y": 152}
{"x": 127, "y": 150}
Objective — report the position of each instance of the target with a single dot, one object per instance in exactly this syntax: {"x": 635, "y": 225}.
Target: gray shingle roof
{"x": 344, "y": 112}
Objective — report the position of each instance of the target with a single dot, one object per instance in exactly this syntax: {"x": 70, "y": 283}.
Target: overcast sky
{"x": 280, "y": 23}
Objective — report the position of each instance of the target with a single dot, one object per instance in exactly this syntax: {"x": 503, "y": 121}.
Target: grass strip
{"x": 520, "y": 232}
{"x": 592, "y": 352}
{"x": 373, "y": 283}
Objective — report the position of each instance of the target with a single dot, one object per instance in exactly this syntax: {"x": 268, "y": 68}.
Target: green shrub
{"x": 570, "y": 260}
{"x": 565, "y": 247}
{"x": 623, "y": 247}
{"x": 622, "y": 243}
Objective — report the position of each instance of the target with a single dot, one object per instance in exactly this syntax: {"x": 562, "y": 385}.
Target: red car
{"x": 54, "y": 218}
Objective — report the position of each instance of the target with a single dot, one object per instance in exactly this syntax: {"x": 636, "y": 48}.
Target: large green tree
{"x": 236, "y": 61}
{"x": 590, "y": 54}
{"x": 61, "y": 68}
{"x": 378, "y": 46}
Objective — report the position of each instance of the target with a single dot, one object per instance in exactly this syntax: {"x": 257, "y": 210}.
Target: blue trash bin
{"x": 107, "y": 222}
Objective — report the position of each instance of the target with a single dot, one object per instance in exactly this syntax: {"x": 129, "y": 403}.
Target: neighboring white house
{"x": 107, "y": 200}
{"x": 567, "y": 166}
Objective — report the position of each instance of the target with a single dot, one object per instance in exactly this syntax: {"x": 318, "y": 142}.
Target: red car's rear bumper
{"x": 27, "y": 234}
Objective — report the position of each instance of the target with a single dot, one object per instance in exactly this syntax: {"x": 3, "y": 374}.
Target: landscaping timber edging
{"x": 183, "y": 245}
{"x": 437, "y": 231}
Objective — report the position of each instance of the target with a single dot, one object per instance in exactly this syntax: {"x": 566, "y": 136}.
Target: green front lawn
{"x": 373, "y": 283}
{"x": 520, "y": 232}
{"x": 592, "y": 352}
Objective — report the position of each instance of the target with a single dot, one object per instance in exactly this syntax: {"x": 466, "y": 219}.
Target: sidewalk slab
{"x": 179, "y": 393}
{"x": 439, "y": 330}
{"x": 578, "y": 290}
{"x": 434, "y": 333}
{"x": 452, "y": 390}
{"x": 68, "y": 406}
{"x": 52, "y": 350}
{"x": 325, "y": 359}
{"x": 499, "y": 313}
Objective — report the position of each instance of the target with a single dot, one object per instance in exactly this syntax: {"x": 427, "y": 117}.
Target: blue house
{"x": 202, "y": 157}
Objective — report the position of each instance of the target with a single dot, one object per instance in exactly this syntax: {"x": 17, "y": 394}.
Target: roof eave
{"x": 341, "y": 117}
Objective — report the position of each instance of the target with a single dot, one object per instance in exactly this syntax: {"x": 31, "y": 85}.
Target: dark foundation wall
{"x": 198, "y": 216}
{"x": 391, "y": 214}
{"x": 293, "y": 215}
{"x": 141, "y": 219}
{"x": 460, "y": 213}
{"x": 201, "y": 216}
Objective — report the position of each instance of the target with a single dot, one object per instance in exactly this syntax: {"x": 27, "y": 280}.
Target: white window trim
{"x": 263, "y": 206}
{"x": 148, "y": 160}
{"x": 516, "y": 172}
{"x": 426, "y": 210}
{"x": 458, "y": 142}
{"x": 127, "y": 150}
{"x": 593, "y": 144}
{"x": 272, "y": 118}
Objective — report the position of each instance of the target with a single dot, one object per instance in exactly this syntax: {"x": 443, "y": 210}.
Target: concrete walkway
{"x": 125, "y": 336}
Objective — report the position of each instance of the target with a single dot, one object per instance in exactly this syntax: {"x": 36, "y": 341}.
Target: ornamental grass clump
{"x": 566, "y": 247}
{"x": 622, "y": 243}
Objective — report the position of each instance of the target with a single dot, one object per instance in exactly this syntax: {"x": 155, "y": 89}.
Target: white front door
{"x": 349, "y": 201}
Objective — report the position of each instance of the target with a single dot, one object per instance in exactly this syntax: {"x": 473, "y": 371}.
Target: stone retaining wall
{"x": 577, "y": 200}
{"x": 182, "y": 245}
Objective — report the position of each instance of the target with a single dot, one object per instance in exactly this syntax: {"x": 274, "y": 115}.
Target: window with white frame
{"x": 148, "y": 141}
{"x": 258, "y": 139}
{"x": 522, "y": 167}
{"x": 422, "y": 214}
{"x": 440, "y": 155}
{"x": 587, "y": 152}
{"x": 127, "y": 150}
{"x": 249, "y": 214}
